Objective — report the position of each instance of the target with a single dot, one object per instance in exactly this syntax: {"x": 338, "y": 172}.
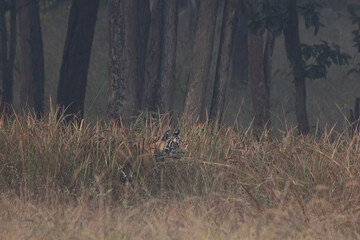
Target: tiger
{"x": 161, "y": 147}
{"x": 149, "y": 155}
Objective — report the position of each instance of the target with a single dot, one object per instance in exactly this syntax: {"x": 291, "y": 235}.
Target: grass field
{"x": 82, "y": 181}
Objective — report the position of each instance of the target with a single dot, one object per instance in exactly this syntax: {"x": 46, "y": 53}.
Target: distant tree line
{"x": 142, "y": 54}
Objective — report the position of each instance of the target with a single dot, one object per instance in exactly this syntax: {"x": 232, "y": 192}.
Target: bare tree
{"x": 151, "y": 87}
{"x": 142, "y": 35}
{"x": 122, "y": 60}
{"x": 201, "y": 59}
{"x": 168, "y": 62}
{"x": 293, "y": 51}
{"x": 7, "y": 52}
{"x": 3, "y": 46}
{"x": 76, "y": 57}
{"x": 239, "y": 54}
{"x": 192, "y": 5}
{"x": 260, "y": 73}
{"x": 31, "y": 57}
{"x": 268, "y": 52}
{"x": 257, "y": 82}
{"x": 158, "y": 90}
{"x": 230, "y": 17}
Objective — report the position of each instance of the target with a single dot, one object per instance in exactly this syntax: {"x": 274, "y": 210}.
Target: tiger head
{"x": 170, "y": 144}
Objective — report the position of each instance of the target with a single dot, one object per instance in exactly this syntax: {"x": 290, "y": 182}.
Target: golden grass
{"x": 81, "y": 181}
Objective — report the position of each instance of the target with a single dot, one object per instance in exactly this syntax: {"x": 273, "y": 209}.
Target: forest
{"x": 181, "y": 70}
{"x": 179, "y": 119}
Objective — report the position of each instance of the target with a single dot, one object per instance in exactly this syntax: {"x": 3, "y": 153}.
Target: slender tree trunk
{"x": 269, "y": 49}
{"x": 259, "y": 94}
{"x": 201, "y": 59}
{"x": 158, "y": 90}
{"x": 3, "y": 53}
{"x": 192, "y": 5}
{"x": 142, "y": 35}
{"x": 230, "y": 17}
{"x": 268, "y": 52}
{"x": 31, "y": 57}
{"x": 76, "y": 57}
{"x": 168, "y": 61}
{"x": 239, "y": 55}
{"x": 7, "y": 54}
{"x": 122, "y": 60}
{"x": 151, "y": 88}
{"x": 259, "y": 76}
{"x": 293, "y": 51}
{"x": 8, "y": 84}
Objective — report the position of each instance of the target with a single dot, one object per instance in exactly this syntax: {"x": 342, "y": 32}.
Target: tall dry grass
{"x": 82, "y": 181}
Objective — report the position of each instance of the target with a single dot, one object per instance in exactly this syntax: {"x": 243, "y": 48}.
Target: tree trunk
{"x": 259, "y": 93}
{"x": 122, "y": 60}
{"x": 201, "y": 59}
{"x": 230, "y": 17}
{"x": 168, "y": 61}
{"x": 293, "y": 51}
{"x": 239, "y": 55}
{"x": 7, "y": 54}
{"x": 31, "y": 57}
{"x": 192, "y": 5}
{"x": 269, "y": 49}
{"x": 268, "y": 52}
{"x": 158, "y": 90}
{"x": 76, "y": 57}
{"x": 143, "y": 22}
{"x": 260, "y": 76}
{"x": 8, "y": 84}
{"x": 151, "y": 88}
{"x": 4, "y": 54}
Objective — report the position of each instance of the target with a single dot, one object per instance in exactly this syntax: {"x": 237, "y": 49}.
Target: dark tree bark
{"x": 122, "y": 60}
{"x": 230, "y": 17}
{"x": 269, "y": 49}
{"x": 239, "y": 54}
{"x": 293, "y": 51}
{"x": 4, "y": 71}
{"x": 31, "y": 57}
{"x": 201, "y": 59}
{"x": 8, "y": 85}
{"x": 7, "y": 55}
{"x": 76, "y": 57}
{"x": 192, "y": 5}
{"x": 260, "y": 75}
{"x": 259, "y": 93}
{"x": 168, "y": 60}
{"x": 158, "y": 91}
{"x": 143, "y": 22}
{"x": 151, "y": 88}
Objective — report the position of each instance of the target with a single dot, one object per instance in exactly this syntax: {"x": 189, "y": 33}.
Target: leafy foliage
{"x": 269, "y": 15}
{"x": 323, "y": 55}
{"x": 272, "y": 15}
{"x": 354, "y": 14}
{"x": 309, "y": 9}
{"x": 354, "y": 11}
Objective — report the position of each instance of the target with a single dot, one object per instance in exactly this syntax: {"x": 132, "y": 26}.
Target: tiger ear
{"x": 177, "y": 132}
{"x": 166, "y": 135}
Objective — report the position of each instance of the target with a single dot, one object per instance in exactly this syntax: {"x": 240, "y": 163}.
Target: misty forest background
{"x": 244, "y": 65}
{"x": 330, "y": 95}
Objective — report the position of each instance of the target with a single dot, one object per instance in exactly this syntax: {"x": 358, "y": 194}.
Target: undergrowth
{"x": 309, "y": 178}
